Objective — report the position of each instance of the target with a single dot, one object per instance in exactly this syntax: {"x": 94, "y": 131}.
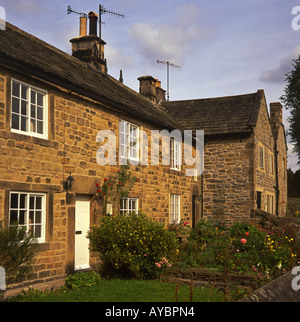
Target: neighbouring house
{"x": 245, "y": 154}
{"x": 54, "y": 105}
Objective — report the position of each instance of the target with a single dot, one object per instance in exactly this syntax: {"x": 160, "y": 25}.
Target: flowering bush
{"x": 114, "y": 187}
{"x": 132, "y": 245}
{"x": 244, "y": 248}
{"x": 181, "y": 229}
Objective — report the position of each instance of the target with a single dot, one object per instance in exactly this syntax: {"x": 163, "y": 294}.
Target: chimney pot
{"x": 83, "y": 26}
{"x": 93, "y": 23}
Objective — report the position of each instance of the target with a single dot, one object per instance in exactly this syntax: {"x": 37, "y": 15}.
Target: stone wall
{"x": 228, "y": 178}
{"x": 265, "y": 179}
{"x": 271, "y": 221}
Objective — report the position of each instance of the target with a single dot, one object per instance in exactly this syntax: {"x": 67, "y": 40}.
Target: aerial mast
{"x": 168, "y": 74}
{"x": 103, "y": 11}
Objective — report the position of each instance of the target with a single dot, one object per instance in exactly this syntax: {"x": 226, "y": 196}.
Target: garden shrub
{"x": 81, "y": 280}
{"x": 18, "y": 250}
{"x": 133, "y": 245}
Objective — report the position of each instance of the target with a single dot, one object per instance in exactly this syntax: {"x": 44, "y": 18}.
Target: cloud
{"x": 172, "y": 41}
{"x": 114, "y": 57}
{"x": 277, "y": 74}
{"x": 24, "y": 6}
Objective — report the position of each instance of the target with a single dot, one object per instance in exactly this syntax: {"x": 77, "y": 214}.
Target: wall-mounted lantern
{"x": 69, "y": 182}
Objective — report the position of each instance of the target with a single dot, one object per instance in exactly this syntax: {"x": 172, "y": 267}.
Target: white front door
{"x": 82, "y": 226}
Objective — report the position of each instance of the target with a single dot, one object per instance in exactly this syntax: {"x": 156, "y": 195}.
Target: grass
{"x": 118, "y": 290}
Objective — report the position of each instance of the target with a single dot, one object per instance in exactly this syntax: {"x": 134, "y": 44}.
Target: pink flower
{"x": 243, "y": 241}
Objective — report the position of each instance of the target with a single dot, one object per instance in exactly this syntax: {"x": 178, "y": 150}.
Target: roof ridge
{"x": 212, "y": 98}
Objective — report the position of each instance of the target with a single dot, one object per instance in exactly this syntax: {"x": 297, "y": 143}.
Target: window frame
{"x": 261, "y": 157}
{"x": 272, "y": 164}
{"x": 175, "y": 155}
{"x": 175, "y": 211}
{"x": 129, "y": 142}
{"x": 28, "y": 211}
{"x": 270, "y": 203}
{"x": 128, "y": 208}
{"x": 29, "y": 117}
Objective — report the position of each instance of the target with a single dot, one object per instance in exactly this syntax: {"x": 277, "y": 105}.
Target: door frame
{"x": 79, "y": 232}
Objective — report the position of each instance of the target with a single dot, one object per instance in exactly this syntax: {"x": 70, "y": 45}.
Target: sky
{"x": 223, "y": 47}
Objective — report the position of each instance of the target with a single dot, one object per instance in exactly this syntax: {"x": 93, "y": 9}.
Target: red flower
{"x": 247, "y": 233}
{"x": 105, "y": 180}
{"x": 98, "y": 185}
{"x": 137, "y": 179}
{"x": 282, "y": 201}
{"x": 103, "y": 194}
{"x": 98, "y": 190}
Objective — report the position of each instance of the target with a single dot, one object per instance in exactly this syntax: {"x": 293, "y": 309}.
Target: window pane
{"x": 24, "y": 124}
{"x": 40, "y": 113}
{"x": 24, "y": 91}
{"x": 38, "y": 217}
{"x": 15, "y": 105}
{"x": 15, "y": 121}
{"x": 33, "y": 111}
{"x": 38, "y": 203}
{"x": 38, "y": 231}
{"x": 13, "y": 217}
{"x": 40, "y": 127}
{"x": 33, "y": 125}
{"x": 33, "y": 97}
{"x": 24, "y": 108}
{"x": 22, "y": 201}
{"x": 14, "y": 201}
{"x": 31, "y": 203}
{"x": 16, "y": 89}
{"x": 31, "y": 217}
{"x": 40, "y": 99}
{"x": 22, "y": 217}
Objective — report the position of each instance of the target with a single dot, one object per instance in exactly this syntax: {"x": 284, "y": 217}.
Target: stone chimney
{"x": 151, "y": 88}
{"x": 276, "y": 114}
{"x": 89, "y": 48}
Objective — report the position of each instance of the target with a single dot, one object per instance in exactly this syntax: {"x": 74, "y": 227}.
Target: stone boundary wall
{"x": 271, "y": 221}
{"x": 208, "y": 278}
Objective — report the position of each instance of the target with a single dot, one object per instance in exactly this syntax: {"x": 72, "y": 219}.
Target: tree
{"x": 291, "y": 100}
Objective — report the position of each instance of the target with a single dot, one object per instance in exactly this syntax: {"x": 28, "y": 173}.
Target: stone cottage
{"x": 54, "y": 105}
{"x": 245, "y": 153}
{"x": 52, "y": 108}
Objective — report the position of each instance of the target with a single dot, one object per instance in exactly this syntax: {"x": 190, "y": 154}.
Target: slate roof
{"x": 218, "y": 116}
{"x": 26, "y": 53}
